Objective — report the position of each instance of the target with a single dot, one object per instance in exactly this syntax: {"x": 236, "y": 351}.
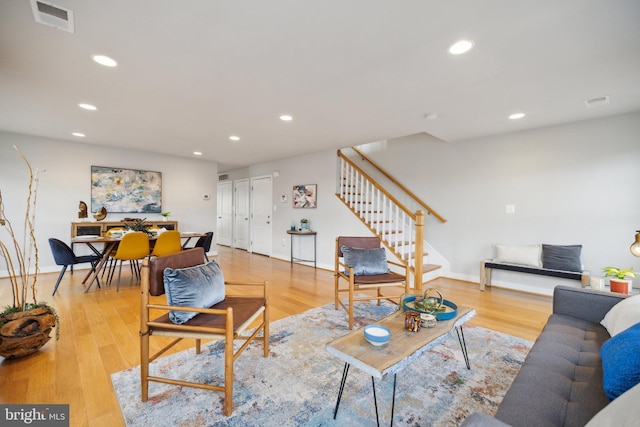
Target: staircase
{"x": 400, "y": 229}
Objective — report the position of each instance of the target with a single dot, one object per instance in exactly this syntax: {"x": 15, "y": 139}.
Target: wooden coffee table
{"x": 403, "y": 348}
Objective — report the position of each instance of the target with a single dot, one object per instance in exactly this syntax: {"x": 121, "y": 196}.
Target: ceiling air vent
{"x": 594, "y": 102}
{"x": 223, "y": 177}
{"x": 53, "y": 15}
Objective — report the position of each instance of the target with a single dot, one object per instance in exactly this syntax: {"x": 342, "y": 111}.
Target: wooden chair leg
{"x": 144, "y": 366}
{"x": 351, "y": 295}
{"x": 265, "y": 331}
{"x": 336, "y": 291}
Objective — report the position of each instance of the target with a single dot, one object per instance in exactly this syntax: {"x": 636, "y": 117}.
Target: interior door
{"x": 261, "y": 215}
{"x": 224, "y": 229}
{"x": 241, "y": 214}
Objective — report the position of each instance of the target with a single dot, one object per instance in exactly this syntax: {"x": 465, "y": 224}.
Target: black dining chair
{"x": 204, "y": 242}
{"x": 64, "y": 256}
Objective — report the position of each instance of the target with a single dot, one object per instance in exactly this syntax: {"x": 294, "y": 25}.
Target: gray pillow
{"x": 365, "y": 262}
{"x": 200, "y": 286}
{"x": 565, "y": 258}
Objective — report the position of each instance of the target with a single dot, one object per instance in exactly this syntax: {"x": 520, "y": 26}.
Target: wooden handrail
{"x": 377, "y": 186}
{"x": 402, "y": 187}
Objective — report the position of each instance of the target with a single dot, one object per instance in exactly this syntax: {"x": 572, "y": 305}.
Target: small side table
{"x": 303, "y": 233}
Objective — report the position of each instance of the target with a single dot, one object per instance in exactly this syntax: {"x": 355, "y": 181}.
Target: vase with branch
{"x": 25, "y": 325}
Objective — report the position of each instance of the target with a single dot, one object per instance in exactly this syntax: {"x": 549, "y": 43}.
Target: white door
{"x": 261, "y": 215}
{"x": 242, "y": 213}
{"x": 224, "y": 229}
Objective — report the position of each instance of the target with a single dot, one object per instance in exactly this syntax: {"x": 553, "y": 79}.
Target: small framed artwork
{"x": 304, "y": 196}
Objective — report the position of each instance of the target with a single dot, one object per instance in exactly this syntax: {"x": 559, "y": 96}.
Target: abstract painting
{"x": 125, "y": 190}
{"x": 304, "y": 196}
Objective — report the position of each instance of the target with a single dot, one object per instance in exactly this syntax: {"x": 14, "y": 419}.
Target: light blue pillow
{"x": 365, "y": 262}
{"x": 200, "y": 286}
{"x": 621, "y": 361}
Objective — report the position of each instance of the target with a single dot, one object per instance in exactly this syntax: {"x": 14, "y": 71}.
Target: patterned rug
{"x": 297, "y": 385}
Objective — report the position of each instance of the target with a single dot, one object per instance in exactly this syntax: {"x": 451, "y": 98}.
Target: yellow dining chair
{"x": 168, "y": 242}
{"x": 134, "y": 246}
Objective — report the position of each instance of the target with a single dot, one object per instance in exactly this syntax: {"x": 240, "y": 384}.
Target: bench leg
{"x": 485, "y": 276}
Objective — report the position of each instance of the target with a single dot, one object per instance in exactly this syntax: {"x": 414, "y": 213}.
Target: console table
{"x": 100, "y": 228}
{"x": 303, "y": 233}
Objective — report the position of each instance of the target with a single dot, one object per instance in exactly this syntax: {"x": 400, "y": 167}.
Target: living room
{"x": 569, "y": 181}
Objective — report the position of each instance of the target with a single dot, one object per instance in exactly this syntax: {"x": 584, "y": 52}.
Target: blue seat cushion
{"x": 200, "y": 286}
{"x": 365, "y": 261}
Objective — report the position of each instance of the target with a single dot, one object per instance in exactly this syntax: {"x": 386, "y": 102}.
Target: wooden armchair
{"x": 225, "y": 320}
{"x": 360, "y": 273}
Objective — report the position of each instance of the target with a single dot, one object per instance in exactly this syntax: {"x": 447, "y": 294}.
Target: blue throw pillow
{"x": 200, "y": 286}
{"x": 365, "y": 262}
{"x": 621, "y": 361}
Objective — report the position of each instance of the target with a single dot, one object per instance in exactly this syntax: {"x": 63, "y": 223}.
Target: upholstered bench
{"x": 544, "y": 260}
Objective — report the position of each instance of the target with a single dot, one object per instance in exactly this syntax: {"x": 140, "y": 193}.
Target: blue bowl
{"x": 377, "y": 334}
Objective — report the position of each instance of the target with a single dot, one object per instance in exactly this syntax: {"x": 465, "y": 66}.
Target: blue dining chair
{"x": 204, "y": 242}
{"x": 64, "y": 256}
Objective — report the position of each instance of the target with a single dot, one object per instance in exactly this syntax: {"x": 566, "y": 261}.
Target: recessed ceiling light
{"x": 197, "y": 153}
{"x": 234, "y": 138}
{"x": 286, "y": 118}
{"x": 79, "y": 134}
{"x": 516, "y": 116}
{"x": 88, "y": 107}
{"x": 104, "y": 60}
{"x": 461, "y": 46}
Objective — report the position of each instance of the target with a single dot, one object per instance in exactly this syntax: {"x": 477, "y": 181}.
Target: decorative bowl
{"x": 377, "y": 334}
{"x": 451, "y": 309}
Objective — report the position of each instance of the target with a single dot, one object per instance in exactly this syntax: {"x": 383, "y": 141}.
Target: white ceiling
{"x": 191, "y": 73}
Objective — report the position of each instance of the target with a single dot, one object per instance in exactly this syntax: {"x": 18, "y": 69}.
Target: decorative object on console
{"x": 165, "y": 215}
{"x": 635, "y": 247}
{"x": 102, "y": 214}
{"x": 125, "y": 190}
{"x": 304, "y": 224}
{"x": 82, "y": 210}
{"x": 617, "y": 278}
{"x": 304, "y": 196}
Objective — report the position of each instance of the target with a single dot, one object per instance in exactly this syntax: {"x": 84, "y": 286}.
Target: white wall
{"x": 570, "y": 184}
{"x": 67, "y": 181}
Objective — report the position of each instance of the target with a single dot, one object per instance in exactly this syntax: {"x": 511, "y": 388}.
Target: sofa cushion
{"x": 523, "y": 255}
{"x": 564, "y": 258}
{"x": 200, "y": 286}
{"x": 623, "y": 315}
{"x": 365, "y": 261}
{"x": 560, "y": 382}
{"x": 621, "y": 362}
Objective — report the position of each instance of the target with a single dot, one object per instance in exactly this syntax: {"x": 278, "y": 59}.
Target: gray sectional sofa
{"x": 561, "y": 381}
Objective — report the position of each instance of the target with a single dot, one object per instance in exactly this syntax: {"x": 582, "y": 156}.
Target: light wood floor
{"x": 99, "y": 333}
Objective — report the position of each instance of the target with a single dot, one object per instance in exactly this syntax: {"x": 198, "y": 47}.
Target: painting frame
{"x": 124, "y": 190}
{"x": 305, "y": 196}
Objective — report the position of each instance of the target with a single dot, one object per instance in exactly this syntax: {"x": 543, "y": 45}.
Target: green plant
{"x": 619, "y": 273}
{"x": 304, "y": 221}
{"x": 165, "y": 214}
{"x": 138, "y": 225}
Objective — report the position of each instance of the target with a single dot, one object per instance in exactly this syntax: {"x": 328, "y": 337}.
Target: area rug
{"x": 297, "y": 385}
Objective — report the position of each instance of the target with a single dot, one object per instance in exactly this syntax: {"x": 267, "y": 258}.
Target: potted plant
{"x": 304, "y": 224}
{"x": 139, "y": 225}
{"x": 617, "y": 278}
{"x": 165, "y": 215}
{"x": 25, "y": 325}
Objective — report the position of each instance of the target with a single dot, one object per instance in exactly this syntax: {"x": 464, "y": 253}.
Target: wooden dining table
{"x": 109, "y": 244}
